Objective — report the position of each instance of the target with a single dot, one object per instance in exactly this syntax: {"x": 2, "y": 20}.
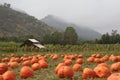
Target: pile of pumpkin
{"x": 29, "y": 65}
{"x": 65, "y": 69}
{"x": 102, "y": 70}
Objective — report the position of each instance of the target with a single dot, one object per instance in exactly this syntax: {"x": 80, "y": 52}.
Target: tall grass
{"x": 91, "y": 48}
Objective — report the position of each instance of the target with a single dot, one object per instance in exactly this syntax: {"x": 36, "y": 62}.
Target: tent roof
{"x": 33, "y": 40}
{"x": 39, "y": 45}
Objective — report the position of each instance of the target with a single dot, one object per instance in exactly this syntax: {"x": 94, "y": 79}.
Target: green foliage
{"x": 70, "y": 36}
{"x": 57, "y": 38}
{"x": 15, "y": 47}
{"x": 109, "y": 39}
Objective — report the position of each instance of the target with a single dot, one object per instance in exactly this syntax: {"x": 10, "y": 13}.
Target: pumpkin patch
{"x": 67, "y": 66}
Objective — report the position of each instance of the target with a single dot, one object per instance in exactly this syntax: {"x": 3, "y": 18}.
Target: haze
{"x": 100, "y": 15}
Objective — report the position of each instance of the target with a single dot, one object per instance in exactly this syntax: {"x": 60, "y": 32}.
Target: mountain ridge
{"x": 14, "y": 24}
{"x": 83, "y": 32}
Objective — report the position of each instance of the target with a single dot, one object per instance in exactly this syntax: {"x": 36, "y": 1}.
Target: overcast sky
{"x": 101, "y": 15}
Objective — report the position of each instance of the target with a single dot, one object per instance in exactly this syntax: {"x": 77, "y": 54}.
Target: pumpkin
{"x": 58, "y": 66}
{"x": 103, "y": 64}
{"x": 72, "y": 57}
{"x": 68, "y": 62}
{"x": 12, "y": 55}
{"x": 1, "y": 77}
{"x": 88, "y": 73}
{"x": 114, "y": 76}
{"x": 80, "y": 56}
{"x": 43, "y": 64}
{"x": 26, "y": 72}
{"x": 36, "y": 66}
{"x": 98, "y": 56}
{"x": 97, "y": 60}
{"x": 34, "y": 60}
{"x": 9, "y": 75}
{"x": 3, "y": 68}
{"x": 55, "y": 57}
{"x": 105, "y": 57}
{"x": 93, "y": 55}
{"x": 90, "y": 59}
{"x": 5, "y": 59}
{"x": 65, "y": 72}
{"x": 26, "y": 63}
{"x": 115, "y": 66}
{"x": 118, "y": 58}
{"x": 77, "y": 67}
{"x": 79, "y": 61}
{"x": 102, "y": 71}
{"x": 113, "y": 58}
{"x": 13, "y": 64}
{"x": 17, "y": 60}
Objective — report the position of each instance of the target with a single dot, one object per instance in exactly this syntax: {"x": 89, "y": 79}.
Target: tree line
{"x": 107, "y": 38}
{"x": 69, "y": 36}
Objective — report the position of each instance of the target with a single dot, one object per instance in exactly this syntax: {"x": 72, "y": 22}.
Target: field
{"x": 12, "y": 51}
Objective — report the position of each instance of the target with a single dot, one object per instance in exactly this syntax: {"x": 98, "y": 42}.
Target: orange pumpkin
{"x": 26, "y": 72}
{"x": 68, "y": 62}
{"x": 9, "y": 75}
{"x": 90, "y": 59}
{"x": 36, "y": 66}
{"x": 79, "y": 61}
{"x": 98, "y": 56}
{"x": 1, "y": 77}
{"x": 17, "y": 60}
{"x": 26, "y": 63}
{"x": 118, "y": 58}
{"x": 114, "y": 76}
{"x": 34, "y": 60}
{"x": 88, "y": 73}
{"x": 77, "y": 67}
{"x": 12, "y": 55}
{"x": 3, "y": 68}
{"x": 115, "y": 66}
{"x": 55, "y": 57}
{"x": 5, "y": 59}
{"x": 13, "y": 64}
{"x": 80, "y": 56}
{"x": 97, "y": 60}
{"x": 113, "y": 58}
{"x": 103, "y": 64}
{"x": 93, "y": 55}
{"x": 43, "y": 64}
{"x": 102, "y": 71}
{"x": 105, "y": 58}
{"x": 65, "y": 72}
{"x": 72, "y": 57}
{"x": 58, "y": 66}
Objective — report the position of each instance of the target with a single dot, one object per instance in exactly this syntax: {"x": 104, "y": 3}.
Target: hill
{"x": 15, "y": 23}
{"x": 84, "y": 33}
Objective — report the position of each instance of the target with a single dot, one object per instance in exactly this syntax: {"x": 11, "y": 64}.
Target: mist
{"x": 100, "y": 15}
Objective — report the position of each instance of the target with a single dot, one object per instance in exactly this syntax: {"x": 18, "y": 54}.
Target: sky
{"x": 100, "y": 15}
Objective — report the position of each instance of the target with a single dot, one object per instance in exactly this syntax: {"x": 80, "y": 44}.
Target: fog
{"x": 100, "y": 15}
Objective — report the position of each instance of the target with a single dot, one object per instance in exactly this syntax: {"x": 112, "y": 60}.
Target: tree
{"x": 109, "y": 39}
{"x": 7, "y": 5}
{"x": 46, "y": 39}
{"x": 56, "y": 38}
{"x": 70, "y": 36}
